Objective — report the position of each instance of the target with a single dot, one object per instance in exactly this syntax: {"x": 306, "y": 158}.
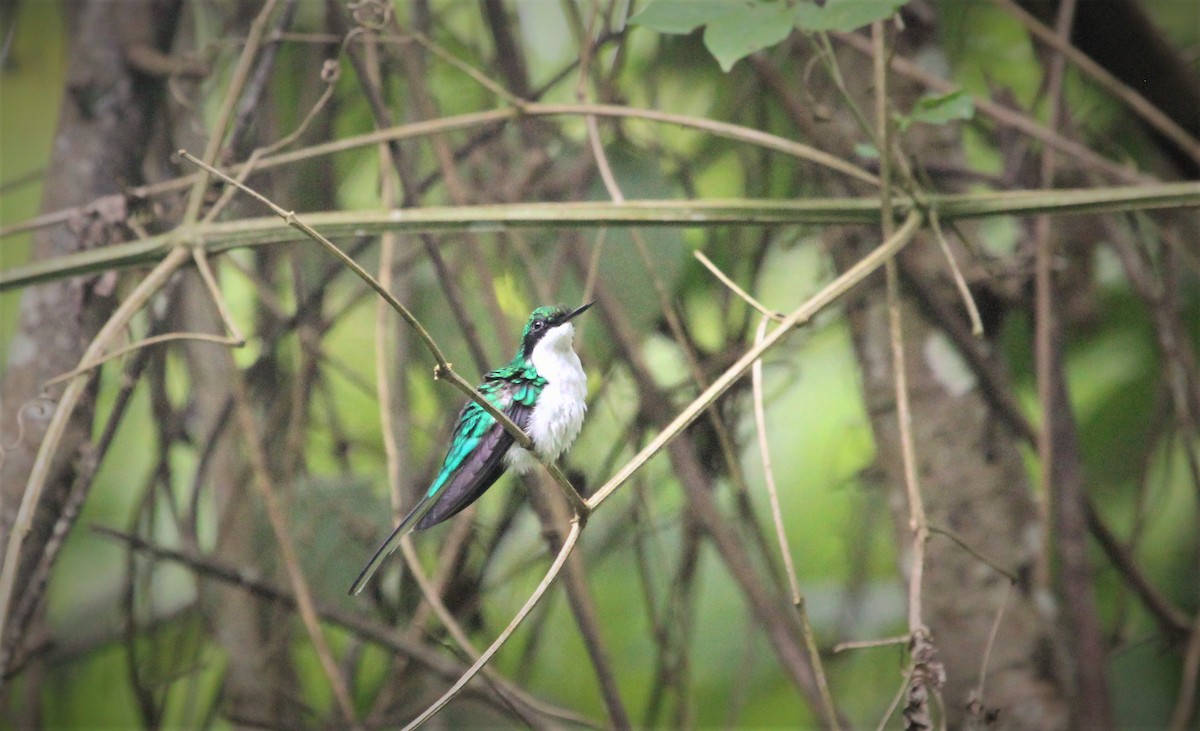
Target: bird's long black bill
{"x": 578, "y": 311}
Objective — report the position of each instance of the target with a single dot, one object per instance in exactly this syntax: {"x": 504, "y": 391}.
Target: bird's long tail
{"x": 393, "y": 542}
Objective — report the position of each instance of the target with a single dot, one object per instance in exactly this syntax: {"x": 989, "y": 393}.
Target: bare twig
{"x": 804, "y": 313}
{"x": 904, "y": 685}
{"x": 961, "y": 283}
{"x": 975, "y": 704}
{"x": 356, "y": 623}
{"x": 926, "y": 672}
{"x": 291, "y": 559}
{"x": 534, "y": 598}
{"x": 764, "y": 450}
{"x": 964, "y": 545}
{"x": 866, "y": 644}
{"x": 1140, "y": 106}
{"x": 216, "y": 135}
{"x": 1058, "y": 449}
{"x": 1171, "y": 619}
{"x": 733, "y": 287}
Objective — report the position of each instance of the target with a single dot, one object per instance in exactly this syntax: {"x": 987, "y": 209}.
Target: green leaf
{"x": 940, "y": 109}
{"x": 683, "y": 16}
{"x": 844, "y": 15}
{"x": 736, "y": 35}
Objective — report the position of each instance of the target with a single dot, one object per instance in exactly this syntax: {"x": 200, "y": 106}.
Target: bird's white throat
{"x": 558, "y": 414}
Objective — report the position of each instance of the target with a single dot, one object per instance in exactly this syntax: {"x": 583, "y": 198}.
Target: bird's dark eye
{"x": 538, "y": 325}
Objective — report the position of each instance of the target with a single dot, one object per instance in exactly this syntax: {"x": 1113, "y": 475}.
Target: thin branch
{"x": 866, "y": 644}
{"x": 1059, "y": 449}
{"x": 959, "y": 281}
{"x": 803, "y": 313}
{"x": 1142, "y": 107}
{"x": 371, "y": 631}
{"x": 84, "y": 368}
{"x": 733, "y": 287}
{"x": 764, "y": 450}
{"x": 962, "y": 543}
{"x": 534, "y": 598}
{"x": 287, "y": 549}
{"x": 199, "y": 256}
{"x": 976, "y": 706}
{"x": 926, "y": 672}
{"x": 228, "y": 235}
{"x": 479, "y": 77}
{"x": 1172, "y": 620}
{"x": 216, "y": 136}
{"x": 896, "y": 698}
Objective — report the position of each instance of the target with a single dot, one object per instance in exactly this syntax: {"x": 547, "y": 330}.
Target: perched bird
{"x": 541, "y": 389}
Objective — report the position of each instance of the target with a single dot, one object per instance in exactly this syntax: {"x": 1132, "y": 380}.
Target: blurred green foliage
{"x": 820, "y": 438}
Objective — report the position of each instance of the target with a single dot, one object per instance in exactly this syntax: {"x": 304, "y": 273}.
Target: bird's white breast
{"x": 558, "y": 414}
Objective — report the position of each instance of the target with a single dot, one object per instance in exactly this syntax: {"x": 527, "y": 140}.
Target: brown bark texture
{"x": 968, "y": 464}
{"x": 104, "y": 123}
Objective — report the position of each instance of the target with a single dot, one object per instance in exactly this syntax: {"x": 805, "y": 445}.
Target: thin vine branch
{"x": 224, "y": 236}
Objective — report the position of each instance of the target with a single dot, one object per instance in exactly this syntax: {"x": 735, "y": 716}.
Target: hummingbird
{"x": 541, "y": 389}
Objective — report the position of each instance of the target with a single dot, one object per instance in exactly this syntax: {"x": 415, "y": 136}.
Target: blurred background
{"x": 206, "y": 507}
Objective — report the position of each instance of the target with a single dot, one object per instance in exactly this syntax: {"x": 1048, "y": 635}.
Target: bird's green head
{"x": 547, "y": 322}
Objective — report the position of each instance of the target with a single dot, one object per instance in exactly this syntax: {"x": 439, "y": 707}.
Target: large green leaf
{"x": 844, "y": 15}
{"x": 735, "y": 35}
{"x": 733, "y": 28}
{"x": 683, "y": 16}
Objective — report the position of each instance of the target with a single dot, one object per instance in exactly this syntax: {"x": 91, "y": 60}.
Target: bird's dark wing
{"x": 479, "y": 469}
{"x": 473, "y": 462}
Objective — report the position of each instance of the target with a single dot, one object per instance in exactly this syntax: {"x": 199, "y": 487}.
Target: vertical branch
{"x": 764, "y": 450}
{"x": 287, "y": 549}
{"x": 552, "y": 515}
{"x": 925, "y": 672}
{"x": 385, "y": 372}
{"x": 1058, "y": 446}
{"x": 225, "y": 114}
